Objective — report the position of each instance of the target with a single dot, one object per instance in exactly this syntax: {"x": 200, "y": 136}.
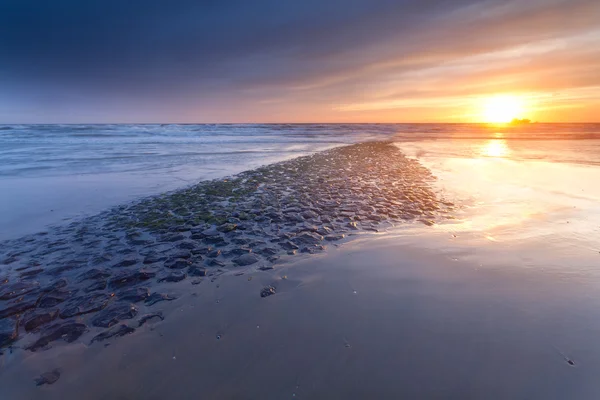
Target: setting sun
{"x": 502, "y": 109}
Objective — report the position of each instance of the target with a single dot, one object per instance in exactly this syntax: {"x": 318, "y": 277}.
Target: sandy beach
{"x": 350, "y": 273}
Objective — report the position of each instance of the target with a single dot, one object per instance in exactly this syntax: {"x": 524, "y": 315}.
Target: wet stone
{"x": 16, "y": 309}
{"x": 113, "y": 314}
{"x": 117, "y": 331}
{"x": 197, "y": 271}
{"x": 267, "y": 251}
{"x": 214, "y": 253}
{"x": 187, "y": 245}
{"x": 267, "y": 291}
{"x": 130, "y": 278}
{"x": 246, "y": 259}
{"x": 154, "y": 258}
{"x": 68, "y": 331}
{"x": 288, "y": 246}
{"x": 127, "y": 262}
{"x": 134, "y": 295}
{"x": 18, "y": 289}
{"x": 147, "y": 317}
{"x": 214, "y": 263}
{"x": 48, "y": 378}
{"x": 307, "y": 238}
{"x": 59, "y": 284}
{"x": 172, "y": 238}
{"x": 227, "y": 228}
{"x": 35, "y": 319}
{"x": 158, "y": 297}
{"x": 174, "y": 277}
{"x": 31, "y": 273}
{"x": 55, "y": 297}
{"x": 98, "y": 285}
{"x": 215, "y": 240}
{"x": 85, "y": 304}
{"x": 335, "y": 237}
{"x": 94, "y": 274}
{"x": 177, "y": 263}
{"x": 8, "y": 332}
{"x": 237, "y": 252}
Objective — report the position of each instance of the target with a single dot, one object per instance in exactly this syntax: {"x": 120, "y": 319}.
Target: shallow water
{"x": 53, "y": 173}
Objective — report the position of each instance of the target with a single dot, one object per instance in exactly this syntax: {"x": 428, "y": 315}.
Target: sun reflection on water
{"x": 495, "y": 148}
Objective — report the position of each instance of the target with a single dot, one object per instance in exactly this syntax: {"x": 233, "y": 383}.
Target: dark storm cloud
{"x": 211, "y": 51}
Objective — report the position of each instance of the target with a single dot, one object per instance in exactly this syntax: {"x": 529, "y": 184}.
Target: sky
{"x": 135, "y": 61}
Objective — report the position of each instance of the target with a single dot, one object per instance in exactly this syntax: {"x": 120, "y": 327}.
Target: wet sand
{"x": 370, "y": 320}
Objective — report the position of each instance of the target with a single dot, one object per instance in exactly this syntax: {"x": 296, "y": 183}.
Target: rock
{"x": 214, "y": 263}
{"x": 157, "y": 297}
{"x": 267, "y": 291}
{"x": 197, "y": 271}
{"x": 35, "y": 319}
{"x": 18, "y": 289}
{"x": 312, "y": 249}
{"x": 145, "y": 318}
{"x": 130, "y": 278}
{"x": 266, "y": 268}
{"x": 98, "y": 285}
{"x": 31, "y": 273}
{"x": 48, "y": 378}
{"x": 187, "y": 245}
{"x": 59, "y": 284}
{"x": 185, "y": 254}
{"x": 307, "y": 238}
{"x": 215, "y": 240}
{"x": 126, "y": 262}
{"x": 85, "y": 304}
{"x": 18, "y": 308}
{"x": 94, "y": 274}
{"x": 246, "y": 259}
{"x": 172, "y": 238}
{"x": 8, "y": 332}
{"x": 212, "y": 231}
{"x": 134, "y": 295}
{"x": 177, "y": 263}
{"x": 266, "y": 251}
{"x": 154, "y": 258}
{"x": 115, "y": 313}
{"x": 352, "y": 225}
{"x": 334, "y": 237}
{"x": 55, "y": 297}
{"x": 214, "y": 253}
{"x": 237, "y": 252}
{"x": 118, "y": 331}
{"x": 174, "y": 277}
{"x": 227, "y": 228}
{"x": 68, "y": 331}
{"x": 288, "y": 245}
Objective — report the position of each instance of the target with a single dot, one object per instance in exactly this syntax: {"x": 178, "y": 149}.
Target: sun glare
{"x": 502, "y": 109}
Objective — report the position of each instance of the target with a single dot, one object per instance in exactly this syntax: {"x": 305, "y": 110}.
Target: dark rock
{"x": 266, "y": 268}
{"x": 215, "y": 240}
{"x": 214, "y": 263}
{"x": 85, "y": 304}
{"x": 267, "y": 251}
{"x": 214, "y": 253}
{"x": 55, "y": 297}
{"x": 246, "y": 259}
{"x": 157, "y": 297}
{"x": 130, "y": 278}
{"x": 307, "y": 238}
{"x": 197, "y": 271}
{"x": 134, "y": 295}
{"x": 18, "y": 289}
{"x": 177, "y": 263}
{"x": 59, "y": 284}
{"x": 8, "y": 332}
{"x": 241, "y": 241}
{"x": 202, "y": 250}
{"x": 154, "y": 258}
{"x": 126, "y": 262}
{"x": 31, "y": 273}
{"x": 15, "y": 309}
{"x": 35, "y": 319}
{"x": 187, "y": 245}
{"x": 288, "y": 246}
{"x": 237, "y": 252}
{"x": 334, "y": 237}
{"x": 98, "y": 285}
{"x": 68, "y": 331}
{"x": 48, "y": 378}
{"x": 312, "y": 249}
{"x": 267, "y": 291}
{"x": 174, "y": 277}
{"x": 172, "y": 238}
{"x": 182, "y": 254}
{"x": 145, "y": 318}
{"x": 115, "y": 313}
{"x": 118, "y": 331}
{"x": 94, "y": 274}
{"x": 225, "y": 228}
{"x": 196, "y": 281}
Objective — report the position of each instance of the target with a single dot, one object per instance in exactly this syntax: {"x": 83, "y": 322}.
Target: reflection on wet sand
{"x": 495, "y": 148}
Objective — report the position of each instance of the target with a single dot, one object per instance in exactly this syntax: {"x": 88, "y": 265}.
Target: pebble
{"x": 267, "y": 291}
{"x": 48, "y": 378}
{"x": 246, "y": 259}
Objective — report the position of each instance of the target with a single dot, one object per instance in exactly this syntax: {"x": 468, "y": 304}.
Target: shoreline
{"x": 110, "y": 269}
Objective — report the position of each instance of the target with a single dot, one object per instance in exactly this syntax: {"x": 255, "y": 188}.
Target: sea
{"x": 53, "y": 174}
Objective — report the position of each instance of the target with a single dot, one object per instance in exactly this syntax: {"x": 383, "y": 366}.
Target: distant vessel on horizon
{"x": 517, "y": 121}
